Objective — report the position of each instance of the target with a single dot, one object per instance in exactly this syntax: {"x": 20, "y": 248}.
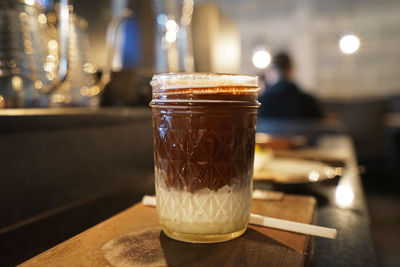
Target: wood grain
{"x": 259, "y": 246}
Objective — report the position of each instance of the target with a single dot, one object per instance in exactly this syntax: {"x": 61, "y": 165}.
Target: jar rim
{"x": 170, "y": 81}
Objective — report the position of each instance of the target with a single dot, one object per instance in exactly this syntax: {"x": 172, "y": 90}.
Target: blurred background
{"x": 345, "y": 53}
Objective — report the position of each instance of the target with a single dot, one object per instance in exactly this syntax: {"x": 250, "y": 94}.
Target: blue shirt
{"x": 284, "y": 100}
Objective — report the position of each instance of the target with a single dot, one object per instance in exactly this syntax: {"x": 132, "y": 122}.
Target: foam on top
{"x": 169, "y": 81}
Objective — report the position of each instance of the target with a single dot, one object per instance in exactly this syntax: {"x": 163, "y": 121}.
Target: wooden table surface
{"x": 259, "y": 246}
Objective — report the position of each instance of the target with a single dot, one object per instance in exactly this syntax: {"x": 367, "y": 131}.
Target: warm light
{"x": 11, "y": 64}
{"x": 344, "y": 196}
{"x": 84, "y": 91}
{"x": 170, "y": 36}
{"x": 49, "y": 66}
{"x": 171, "y": 25}
{"x": 187, "y": 7}
{"x": 52, "y": 18}
{"x": 94, "y": 90}
{"x": 27, "y": 44}
{"x": 313, "y": 176}
{"x": 261, "y": 59}
{"x": 2, "y": 102}
{"x": 57, "y": 98}
{"x": 16, "y": 83}
{"x": 187, "y": 12}
{"x": 52, "y": 44}
{"x": 172, "y": 29}
{"x": 349, "y": 44}
{"x": 42, "y": 18}
{"x": 38, "y": 84}
{"x": 226, "y": 48}
{"x": 51, "y": 58}
{"x": 330, "y": 172}
{"x": 186, "y": 20}
{"x": 30, "y": 2}
{"x": 23, "y": 16}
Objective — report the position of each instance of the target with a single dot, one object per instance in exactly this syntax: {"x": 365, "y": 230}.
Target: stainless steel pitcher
{"x": 81, "y": 87}
{"x": 33, "y": 64}
{"x": 24, "y": 53}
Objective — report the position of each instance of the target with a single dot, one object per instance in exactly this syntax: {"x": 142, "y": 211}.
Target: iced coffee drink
{"x": 204, "y": 136}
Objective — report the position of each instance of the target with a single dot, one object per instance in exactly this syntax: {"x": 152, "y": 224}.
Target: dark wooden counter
{"x": 65, "y": 170}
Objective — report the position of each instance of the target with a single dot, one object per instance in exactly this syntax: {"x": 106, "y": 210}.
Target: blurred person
{"x": 282, "y": 98}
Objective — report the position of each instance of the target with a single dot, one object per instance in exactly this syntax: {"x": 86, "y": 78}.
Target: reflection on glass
{"x": 57, "y": 98}
{"x": 38, "y": 84}
{"x": 84, "y": 91}
{"x": 174, "y": 51}
{"x": 172, "y": 29}
{"x": 344, "y": 196}
{"x": 187, "y": 12}
{"x": 28, "y": 69}
{"x": 171, "y": 25}
{"x": 94, "y": 90}
{"x": 170, "y": 36}
{"x": 89, "y": 67}
{"x": 16, "y": 83}
{"x": 30, "y": 2}
{"x": 313, "y": 176}
{"x": 42, "y": 18}
{"x": 52, "y": 44}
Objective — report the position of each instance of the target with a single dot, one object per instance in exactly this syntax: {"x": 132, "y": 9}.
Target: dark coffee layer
{"x": 205, "y": 146}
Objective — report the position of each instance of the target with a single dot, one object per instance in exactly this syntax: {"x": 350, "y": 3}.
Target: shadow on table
{"x": 251, "y": 249}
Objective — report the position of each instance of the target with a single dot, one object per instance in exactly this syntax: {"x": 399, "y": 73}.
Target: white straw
{"x": 149, "y": 200}
{"x": 286, "y": 225}
{"x": 291, "y": 226}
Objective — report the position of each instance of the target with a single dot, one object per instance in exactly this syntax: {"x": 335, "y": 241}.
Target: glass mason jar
{"x": 204, "y": 135}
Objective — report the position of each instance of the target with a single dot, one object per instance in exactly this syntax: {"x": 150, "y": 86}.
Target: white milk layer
{"x": 205, "y": 212}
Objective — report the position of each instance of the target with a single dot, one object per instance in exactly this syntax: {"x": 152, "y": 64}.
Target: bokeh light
{"x": 170, "y": 36}
{"x": 162, "y": 19}
{"x": 344, "y": 196}
{"x": 171, "y": 25}
{"x": 349, "y": 44}
{"x": 30, "y": 2}
{"x": 261, "y": 59}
